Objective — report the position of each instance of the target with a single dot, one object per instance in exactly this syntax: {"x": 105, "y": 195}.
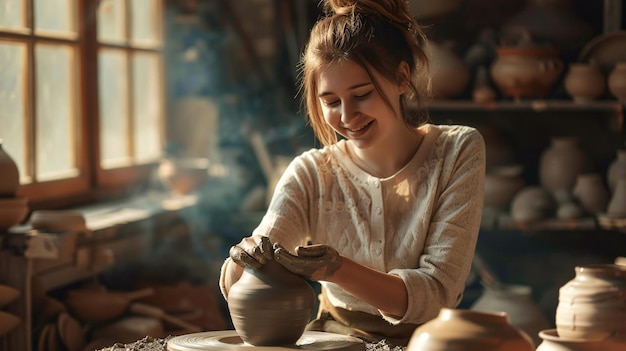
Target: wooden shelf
{"x": 609, "y": 106}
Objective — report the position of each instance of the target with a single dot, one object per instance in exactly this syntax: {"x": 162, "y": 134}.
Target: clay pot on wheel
{"x": 553, "y": 342}
{"x": 467, "y": 330}
{"x": 270, "y": 306}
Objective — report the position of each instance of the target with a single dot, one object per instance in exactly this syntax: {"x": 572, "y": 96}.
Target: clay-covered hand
{"x": 252, "y": 251}
{"x": 314, "y": 262}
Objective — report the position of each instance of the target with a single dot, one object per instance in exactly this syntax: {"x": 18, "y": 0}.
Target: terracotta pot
{"x": 450, "y": 75}
{"x": 561, "y": 163}
{"x": 617, "y": 204}
{"x": 592, "y": 305}
{"x": 501, "y": 185}
{"x": 553, "y": 342}
{"x": 468, "y": 330}
{"x": 617, "y": 81}
{"x": 9, "y": 174}
{"x": 617, "y": 169}
{"x": 591, "y": 193}
{"x": 517, "y": 302}
{"x": 584, "y": 82}
{"x": 526, "y": 71}
{"x": 532, "y": 203}
{"x": 270, "y": 306}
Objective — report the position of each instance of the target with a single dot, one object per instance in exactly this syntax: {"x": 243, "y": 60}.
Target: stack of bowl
{"x": 13, "y": 208}
{"x": 591, "y": 313}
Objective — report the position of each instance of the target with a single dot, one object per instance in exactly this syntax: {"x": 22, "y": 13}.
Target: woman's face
{"x": 352, "y": 106}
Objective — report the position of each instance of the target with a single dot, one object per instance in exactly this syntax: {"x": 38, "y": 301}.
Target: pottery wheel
{"x": 228, "y": 340}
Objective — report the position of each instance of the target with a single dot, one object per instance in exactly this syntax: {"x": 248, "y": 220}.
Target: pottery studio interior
{"x": 140, "y": 141}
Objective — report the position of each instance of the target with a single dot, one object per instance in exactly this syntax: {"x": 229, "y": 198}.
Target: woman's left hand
{"x": 314, "y": 262}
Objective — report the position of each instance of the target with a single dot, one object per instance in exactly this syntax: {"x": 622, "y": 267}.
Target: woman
{"x": 391, "y": 205}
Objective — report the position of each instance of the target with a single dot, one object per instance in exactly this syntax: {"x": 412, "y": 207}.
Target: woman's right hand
{"x": 253, "y": 251}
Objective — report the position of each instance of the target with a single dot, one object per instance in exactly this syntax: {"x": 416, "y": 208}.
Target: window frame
{"x": 93, "y": 183}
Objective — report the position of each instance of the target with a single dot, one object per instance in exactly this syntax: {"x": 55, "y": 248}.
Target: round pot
{"x": 526, "y": 71}
{"x": 592, "y": 305}
{"x": 584, "y": 82}
{"x": 617, "y": 81}
{"x": 468, "y": 330}
{"x": 501, "y": 185}
{"x": 532, "y": 203}
{"x": 270, "y": 306}
{"x": 517, "y": 302}
{"x": 561, "y": 163}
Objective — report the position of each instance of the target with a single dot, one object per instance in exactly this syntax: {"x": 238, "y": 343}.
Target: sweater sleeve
{"x": 443, "y": 267}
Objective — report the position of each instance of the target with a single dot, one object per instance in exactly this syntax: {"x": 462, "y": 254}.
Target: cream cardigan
{"x": 421, "y": 224}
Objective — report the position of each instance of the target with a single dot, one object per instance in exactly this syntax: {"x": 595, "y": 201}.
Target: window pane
{"x": 55, "y": 123}
{"x": 145, "y": 22}
{"x": 55, "y": 17}
{"x": 147, "y": 107}
{"x": 12, "y": 14}
{"x": 113, "y": 101}
{"x": 111, "y": 21}
{"x": 12, "y": 102}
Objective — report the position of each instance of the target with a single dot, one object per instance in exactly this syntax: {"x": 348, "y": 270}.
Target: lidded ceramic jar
{"x": 9, "y": 174}
{"x": 526, "y": 71}
{"x": 584, "y": 82}
{"x": 592, "y": 306}
{"x": 561, "y": 163}
{"x": 617, "y": 81}
{"x": 270, "y": 306}
{"x": 517, "y": 302}
{"x": 468, "y": 330}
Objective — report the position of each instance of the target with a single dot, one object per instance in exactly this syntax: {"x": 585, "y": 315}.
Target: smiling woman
{"x": 81, "y": 95}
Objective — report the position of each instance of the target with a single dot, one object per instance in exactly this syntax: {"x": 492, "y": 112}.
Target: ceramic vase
{"x": 617, "y": 81}
{"x": 9, "y": 174}
{"x": 584, "y": 82}
{"x": 617, "y": 204}
{"x": 592, "y": 306}
{"x": 617, "y": 169}
{"x": 532, "y": 203}
{"x": 591, "y": 193}
{"x": 551, "y": 341}
{"x": 468, "y": 330}
{"x": 561, "y": 163}
{"x": 517, "y": 302}
{"x": 270, "y": 306}
{"x": 501, "y": 185}
{"x": 526, "y": 72}
{"x": 450, "y": 74}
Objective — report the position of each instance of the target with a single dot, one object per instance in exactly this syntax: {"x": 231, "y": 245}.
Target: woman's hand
{"x": 314, "y": 262}
{"x": 253, "y": 251}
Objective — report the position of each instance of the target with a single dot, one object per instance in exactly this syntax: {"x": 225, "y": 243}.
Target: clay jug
{"x": 617, "y": 81}
{"x": 270, "y": 306}
{"x": 617, "y": 169}
{"x": 551, "y": 341}
{"x": 591, "y": 193}
{"x": 584, "y": 82}
{"x": 592, "y": 305}
{"x": 526, "y": 71}
{"x": 517, "y": 302}
{"x": 501, "y": 185}
{"x": 561, "y": 163}
{"x": 617, "y": 204}
{"x": 468, "y": 330}
{"x": 9, "y": 174}
{"x": 450, "y": 75}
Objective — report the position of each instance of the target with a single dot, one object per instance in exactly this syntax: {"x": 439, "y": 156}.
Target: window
{"x": 81, "y": 94}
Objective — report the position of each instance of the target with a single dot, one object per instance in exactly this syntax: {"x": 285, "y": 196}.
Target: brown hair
{"x": 376, "y": 34}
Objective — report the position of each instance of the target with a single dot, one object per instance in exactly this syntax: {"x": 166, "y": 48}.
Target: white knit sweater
{"x": 421, "y": 223}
